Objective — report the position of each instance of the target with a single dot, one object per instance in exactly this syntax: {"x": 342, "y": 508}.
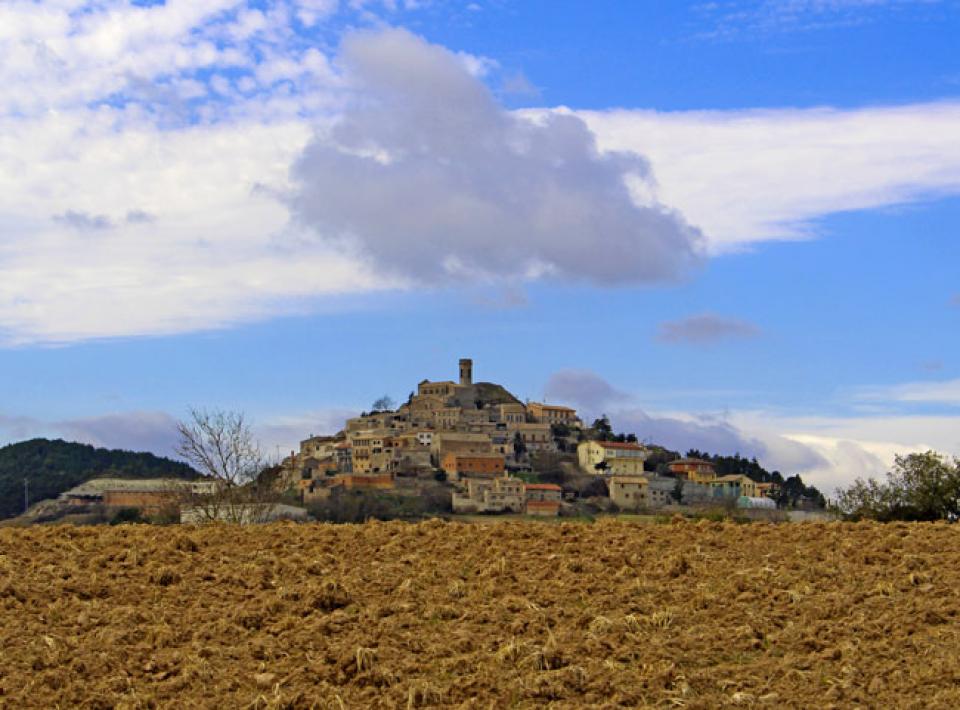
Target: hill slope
{"x": 55, "y": 466}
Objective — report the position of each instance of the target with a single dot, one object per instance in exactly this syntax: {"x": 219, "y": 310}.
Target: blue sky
{"x": 731, "y": 225}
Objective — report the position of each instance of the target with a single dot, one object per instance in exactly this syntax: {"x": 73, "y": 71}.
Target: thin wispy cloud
{"x": 83, "y": 221}
{"x": 139, "y": 217}
{"x": 135, "y": 431}
{"x": 756, "y": 175}
{"x": 937, "y": 392}
{"x": 156, "y": 431}
{"x": 706, "y": 329}
{"x": 731, "y": 19}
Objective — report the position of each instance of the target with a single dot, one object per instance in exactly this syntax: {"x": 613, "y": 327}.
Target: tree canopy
{"x": 923, "y": 486}
{"x": 384, "y": 404}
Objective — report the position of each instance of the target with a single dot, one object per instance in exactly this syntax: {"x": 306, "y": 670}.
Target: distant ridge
{"x": 54, "y": 466}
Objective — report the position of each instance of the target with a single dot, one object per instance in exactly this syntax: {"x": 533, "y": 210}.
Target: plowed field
{"x": 698, "y": 615}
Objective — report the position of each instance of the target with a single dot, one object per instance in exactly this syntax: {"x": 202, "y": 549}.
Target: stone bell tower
{"x": 466, "y": 371}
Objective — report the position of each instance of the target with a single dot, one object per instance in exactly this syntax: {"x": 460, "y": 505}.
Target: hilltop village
{"x": 484, "y": 444}
{"x": 454, "y": 447}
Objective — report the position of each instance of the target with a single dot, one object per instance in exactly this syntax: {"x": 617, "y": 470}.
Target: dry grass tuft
{"x": 662, "y": 619}
{"x": 423, "y": 695}
{"x": 164, "y": 576}
{"x": 600, "y": 626}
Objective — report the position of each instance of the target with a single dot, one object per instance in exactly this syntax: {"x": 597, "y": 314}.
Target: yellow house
{"x": 372, "y": 451}
{"x": 737, "y": 484}
{"x": 612, "y": 457}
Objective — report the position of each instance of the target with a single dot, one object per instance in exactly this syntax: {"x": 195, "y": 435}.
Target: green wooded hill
{"x": 56, "y": 466}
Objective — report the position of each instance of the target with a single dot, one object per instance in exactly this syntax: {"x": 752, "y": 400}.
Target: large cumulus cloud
{"x": 434, "y": 180}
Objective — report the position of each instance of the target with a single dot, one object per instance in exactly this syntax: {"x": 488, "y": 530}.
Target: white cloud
{"x": 856, "y": 446}
{"x": 216, "y": 250}
{"x": 757, "y": 175}
{"x": 944, "y": 392}
{"x": 310, "y": 12}
{"x": 142, "y": 150}
{"x": 434, "y": 181}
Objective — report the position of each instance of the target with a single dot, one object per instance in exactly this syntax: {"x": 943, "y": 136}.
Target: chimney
{"x": 466, "y": 371}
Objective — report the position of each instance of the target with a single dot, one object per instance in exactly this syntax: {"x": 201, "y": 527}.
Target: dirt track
{"x": 697, "y": 615}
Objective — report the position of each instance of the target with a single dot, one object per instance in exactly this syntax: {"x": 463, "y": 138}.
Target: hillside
{"x": 55, "y": 466}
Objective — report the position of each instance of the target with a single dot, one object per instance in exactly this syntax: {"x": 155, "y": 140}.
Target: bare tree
{"x": 220, "y": 444}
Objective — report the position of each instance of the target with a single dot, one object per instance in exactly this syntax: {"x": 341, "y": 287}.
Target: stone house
{"x": 553, "y": 414}
{"x": 542, "y": 499}
{"x": 497, "y": 495}
{"x": 629, "y": 492}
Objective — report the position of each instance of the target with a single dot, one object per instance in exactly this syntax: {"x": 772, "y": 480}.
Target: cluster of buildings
{"x": 690, "y": 480}
{"x": 474, "y": 434}
{"x": 506, "y": 494}
{"x": 463, "y": 431}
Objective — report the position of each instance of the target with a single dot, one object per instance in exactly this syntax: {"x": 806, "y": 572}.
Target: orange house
{"x": 150, "y": 502}
{"x": 458, "y": 465}
{"x": 543, "y": 507}
{"x": 694, "y": 470}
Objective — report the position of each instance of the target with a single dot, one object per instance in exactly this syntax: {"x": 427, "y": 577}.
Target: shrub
{"x": 127, "y": 515}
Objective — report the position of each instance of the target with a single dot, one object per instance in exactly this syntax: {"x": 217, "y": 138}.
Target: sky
{"x": 729, "y": 225}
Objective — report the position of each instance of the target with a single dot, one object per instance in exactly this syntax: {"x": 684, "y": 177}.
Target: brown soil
{"x": 518, "y": 614}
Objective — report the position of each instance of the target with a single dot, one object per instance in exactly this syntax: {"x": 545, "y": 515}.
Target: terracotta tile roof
{"x": 621, "y": 445}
